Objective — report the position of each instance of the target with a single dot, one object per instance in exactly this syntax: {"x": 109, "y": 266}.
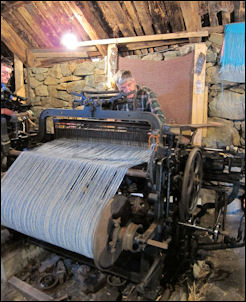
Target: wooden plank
{"x": 60, "y": 54}
{"x": 215, "y": 29}
{"x": 205, "y": 111}
{"x": 131, "y": 10}
{"x": 133, "y": 46}
{"x": 174, "y": 15}
{"x": 160, "y": 37}
{"x": 212, "y": 13}
{"x": 10, "y": 5}
{"x": 29, "y": 291}
{"x": 198, "y": 95}
{"x": 192, "y": 19}
{"x": 47, "y": 19}
{"x": 22, "y": 29}
{"x": 132, "y": 13}
{"x": 121, "y": 19}
{"x": 12, "y": 40}
{"x": 239, "y": 11}
{"x": 144, "y": 16}
{"x": 35, "y": 26}
{"x": 159, "y": 17}
{"x": 75, "y": 25}
{"x": 112, "y": 64}
{"x": 61, "y": 50}
{"x": 83, "y": 13}
{"x": 19, "y": 77}
{"x": 29, "y": 64}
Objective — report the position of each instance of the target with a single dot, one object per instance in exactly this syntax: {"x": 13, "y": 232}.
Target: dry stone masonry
{"x": 52, "y": 87}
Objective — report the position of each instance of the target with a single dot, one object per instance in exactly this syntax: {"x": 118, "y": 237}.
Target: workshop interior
{"x": 100, "y": 204}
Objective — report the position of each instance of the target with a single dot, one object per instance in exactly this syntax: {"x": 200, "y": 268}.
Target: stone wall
{"x": 52, "y": 87}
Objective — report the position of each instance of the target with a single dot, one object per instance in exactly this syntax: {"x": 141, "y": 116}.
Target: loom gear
{"x": 98, "y": 188}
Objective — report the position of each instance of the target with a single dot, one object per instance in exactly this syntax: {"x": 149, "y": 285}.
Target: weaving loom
{"x": 115, "y": 187}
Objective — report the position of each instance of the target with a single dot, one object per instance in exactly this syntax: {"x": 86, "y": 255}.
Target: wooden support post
{"x": 29, "y": 61}
{"x": 19, "y": 77}
{"x": 205, "y": 112}
{"x": 112, "y": 64}
{"x": 197, "y": 116}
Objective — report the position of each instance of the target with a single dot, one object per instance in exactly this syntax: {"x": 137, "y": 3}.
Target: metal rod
{"x": 136, "y": 173}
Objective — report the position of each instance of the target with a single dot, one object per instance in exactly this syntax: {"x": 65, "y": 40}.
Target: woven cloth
{"x": 233, "y": 53}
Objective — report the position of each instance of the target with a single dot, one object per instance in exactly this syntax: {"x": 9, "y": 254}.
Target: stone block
{"x": 171, "y": 54}
{"x": 69, "y": 79}
{"x": 39, "y": 70}
{"x": 184, "y": 50}
{"x": 34, "y": 83}
{"x": 36, "y": 101}
{"x": 89, "y": 81}
{"x": 153, "y": 56}
{"x": 55, "y": 71}
{"x": 50, "y": 80}
{"x": 100, "y": 64}
{"x": 40, "y": 76}
{"x": 52, "y": 91}
{"x": 85, "y": 68}
{"x": 218, "y": 137}
{"x": 230, "y": 106}
{"x": 211, "y": 56}
{"x": 41, "y": 90}
{"x": 243, "y": 129}
{"x": 216, "y": 38}
{"x": 64, "y": 96}
{"x": 65, "y": 69}
{"x": 100, "y": 78}
{"x": 76, "y": 86}
{"x": 62, "y": 86}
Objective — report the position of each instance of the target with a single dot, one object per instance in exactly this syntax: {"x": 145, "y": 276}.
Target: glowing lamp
{"x": 70, "y": 41}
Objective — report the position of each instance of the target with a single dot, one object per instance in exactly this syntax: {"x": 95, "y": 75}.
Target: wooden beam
{"x": 12, "y": 40}
{"x": 19, "y": 77}
{"x": 239, "y": 11}
{"x": 205, "y": 112}
{"x": 198, "y": 96}
{"x": 73, "y": 54}
{"x": 29, "y": 291}
{"x": 144, "y": 16}
{"x": 160, "y": 37}
{"x": 82, "y": 12}
{"x": 192, "y": 19}
{"x": 174, "y": 15}
{"x": 212, "y": 13}
{"x": 133, "y": 46}
{"x": 35, "y": 26}
{"x": 112, "y": 64}
{"x": 132, "y": 13}
{"x": 214, "y": 29}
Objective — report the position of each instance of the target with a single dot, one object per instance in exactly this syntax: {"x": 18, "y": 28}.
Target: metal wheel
{"x": 191, "y": 184}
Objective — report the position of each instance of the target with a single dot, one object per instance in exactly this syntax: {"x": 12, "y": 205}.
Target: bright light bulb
{"x": 70, "y": 41}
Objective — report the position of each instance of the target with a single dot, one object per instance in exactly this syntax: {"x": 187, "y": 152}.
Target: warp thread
{"x": 57, "y": 192}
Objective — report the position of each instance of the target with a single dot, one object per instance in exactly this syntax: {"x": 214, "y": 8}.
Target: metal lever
{"x": 215, "y": 231}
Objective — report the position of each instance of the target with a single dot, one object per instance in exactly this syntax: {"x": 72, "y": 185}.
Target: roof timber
{"x": 87, "y": 21}
{"x": 14, "y": 42}
{"x": 170, "y": 36}
{"x": 190, "y": 11}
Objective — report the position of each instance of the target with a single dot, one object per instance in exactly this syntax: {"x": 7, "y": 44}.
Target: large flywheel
{"x": 191, "y": 185}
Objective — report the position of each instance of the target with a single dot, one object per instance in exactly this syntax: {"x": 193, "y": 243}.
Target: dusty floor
{"x": 220, "y": 277}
